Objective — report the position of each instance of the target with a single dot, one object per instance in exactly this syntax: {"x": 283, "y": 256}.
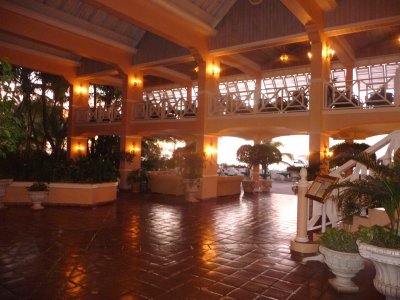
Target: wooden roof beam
{"x": 343, "y": 51}
{"x": 59, "y": 37}
{"x": 242, "y": 63}
{"x": 306, "y": 11}
{"x": 38, "y": 60}
{"x": 152, "y": 16}
{"x": 169, "y": 74}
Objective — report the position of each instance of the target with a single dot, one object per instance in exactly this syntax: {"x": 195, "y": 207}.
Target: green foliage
{"x": 259, "y": 154}
{"x": 38, "y": 187}
{"x": 379, "y": 236}
{"x": 339, "y": 240}
{"x": 344, "y": 152}
{"x": 189, "y": 162}
{"x": 380, "y": 189}
{"x": 12, "y": 132}
{"x": 39, "y": 166}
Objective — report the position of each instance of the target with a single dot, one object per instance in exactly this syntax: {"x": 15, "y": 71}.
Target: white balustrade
{"x": 361, "y": 94}
{"x": 391, "y": 141}
{"x": 164, "y": 109}
{"x": 99, "y": 114}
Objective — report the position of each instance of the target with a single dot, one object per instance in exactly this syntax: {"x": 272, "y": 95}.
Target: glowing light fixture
{"x": 81, "y": 90}
{"x": 327, "y": 153}
{"x": 284, "y": 57}
{"x": 135, "y": 81}
{"x": 309, "y": 54}
{"x": 328, "y": 53}
{"x": 79, "y": 147}
{"x": 211, "y": 151}
{"x": 196, "y": 69}
{"x": 134, "y": 149}
{"x": 214, "y": 70}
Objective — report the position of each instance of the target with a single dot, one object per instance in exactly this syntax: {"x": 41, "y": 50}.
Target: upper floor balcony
{"x": 279, "y": 102}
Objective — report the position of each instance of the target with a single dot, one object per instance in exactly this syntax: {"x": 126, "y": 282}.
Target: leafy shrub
{"x": 339, "y": 240}
{"x": 379, "y": 236}
{"x": 38, "y": 187}
{"x": 39, "y": 166}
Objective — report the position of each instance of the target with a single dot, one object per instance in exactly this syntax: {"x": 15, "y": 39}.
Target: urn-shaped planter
{"x": 345, "y": 266}
{"x": 248, "y": 186}
{"x": 387, "y": 266}
{"x": 265, "y": 185}
{"x": 191, "y": 188}
{"x": 3, "y": 186}
{"x": 38, "y": 197}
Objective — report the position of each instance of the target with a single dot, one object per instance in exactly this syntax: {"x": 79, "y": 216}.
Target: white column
{"x": 301, "y": 243}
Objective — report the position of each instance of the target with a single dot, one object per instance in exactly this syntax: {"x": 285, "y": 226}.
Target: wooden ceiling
{"x": 162, "y": 38}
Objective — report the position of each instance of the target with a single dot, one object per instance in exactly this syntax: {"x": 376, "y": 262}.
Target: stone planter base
{"x": 265, "y": 185}
{"x": 37, "y": 199}
{"x": 387, "y": 266}
{"x": 345, "y": 266}
{"x": 191, "y": 188}
{"x": 248, "y": 186}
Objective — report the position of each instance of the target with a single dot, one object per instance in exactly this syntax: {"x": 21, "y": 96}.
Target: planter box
{"x": 81, "y": 194}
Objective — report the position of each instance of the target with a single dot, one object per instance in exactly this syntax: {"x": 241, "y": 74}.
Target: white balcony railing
{"x": 164, "y": 109}
{"x": 279, "y": 100}
{"x": 391, "y": 142}
{"x": 99, "y": 114}
{"x": 362, "y": 94}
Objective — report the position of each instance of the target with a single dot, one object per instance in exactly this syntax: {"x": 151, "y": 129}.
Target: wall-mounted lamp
{"x": 81, "y": 90}
{"x": 284, "y": 58}
{"x": 327, "y": 153}
{"x": 309, "y": 54}
{"x": 328, "y": 53}
{"x": 211, "y": 151}
{"x": 214, "y": 70}
{"x": 79, "y": 147}
{"x": 135, "y": 81}
{"x": 196, "y": 69}
{"x": 134, "y": 149}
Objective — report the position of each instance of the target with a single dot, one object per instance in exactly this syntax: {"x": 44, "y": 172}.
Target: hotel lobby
{"x": 194, "y": 70}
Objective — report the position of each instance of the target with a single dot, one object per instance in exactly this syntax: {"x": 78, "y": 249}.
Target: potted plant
{"x": 380, "y": 245}
{"x": 244, "y": 155}
{"x": 38, "y": 192}
{"x": 190, "y": 165}
{"x": 260, "y": 154}
{"x": 340, "y": 252}
{"x": 135, "y": 178}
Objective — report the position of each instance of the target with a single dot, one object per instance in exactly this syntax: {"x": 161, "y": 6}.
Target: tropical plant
{"x": 260, "y": 154}
{"x": 339, "y": 240}
{"x": 189, "y": 162}
{"x": 343, "y": 152}
{"x": 382, "y": 188}
{"x": 12, "y": 132}
{"x": 38, "y": 187}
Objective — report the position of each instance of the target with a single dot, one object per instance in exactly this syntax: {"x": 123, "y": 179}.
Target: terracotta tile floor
{"x": 157, "y": 247}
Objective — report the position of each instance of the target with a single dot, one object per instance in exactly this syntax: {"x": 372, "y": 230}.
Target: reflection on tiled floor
{"x": 158, "y": 247}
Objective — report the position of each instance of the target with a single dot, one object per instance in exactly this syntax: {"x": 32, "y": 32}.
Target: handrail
{"x": 391, "y": 141}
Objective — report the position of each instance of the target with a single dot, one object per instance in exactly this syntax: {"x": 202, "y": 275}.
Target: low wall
{"x": 65, "y": 193}
{"x": 228, "y": 185}
{"x": 171, "y": 184}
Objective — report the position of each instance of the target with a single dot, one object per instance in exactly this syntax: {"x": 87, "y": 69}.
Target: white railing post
{"x": 301, "y": 243}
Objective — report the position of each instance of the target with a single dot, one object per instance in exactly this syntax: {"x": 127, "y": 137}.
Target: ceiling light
{"x": 284, "y": 57}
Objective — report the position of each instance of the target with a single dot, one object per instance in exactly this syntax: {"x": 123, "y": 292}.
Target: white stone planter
{"x": 345, "y": 266}
{"x": 3, "y": 185}
{"x": 265, "y": 185}
{"x": 248, "y": 186}
{"x": 387, "y": 266}
{"x": 38, "y": 197}
{"x": 191, "y": 188}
